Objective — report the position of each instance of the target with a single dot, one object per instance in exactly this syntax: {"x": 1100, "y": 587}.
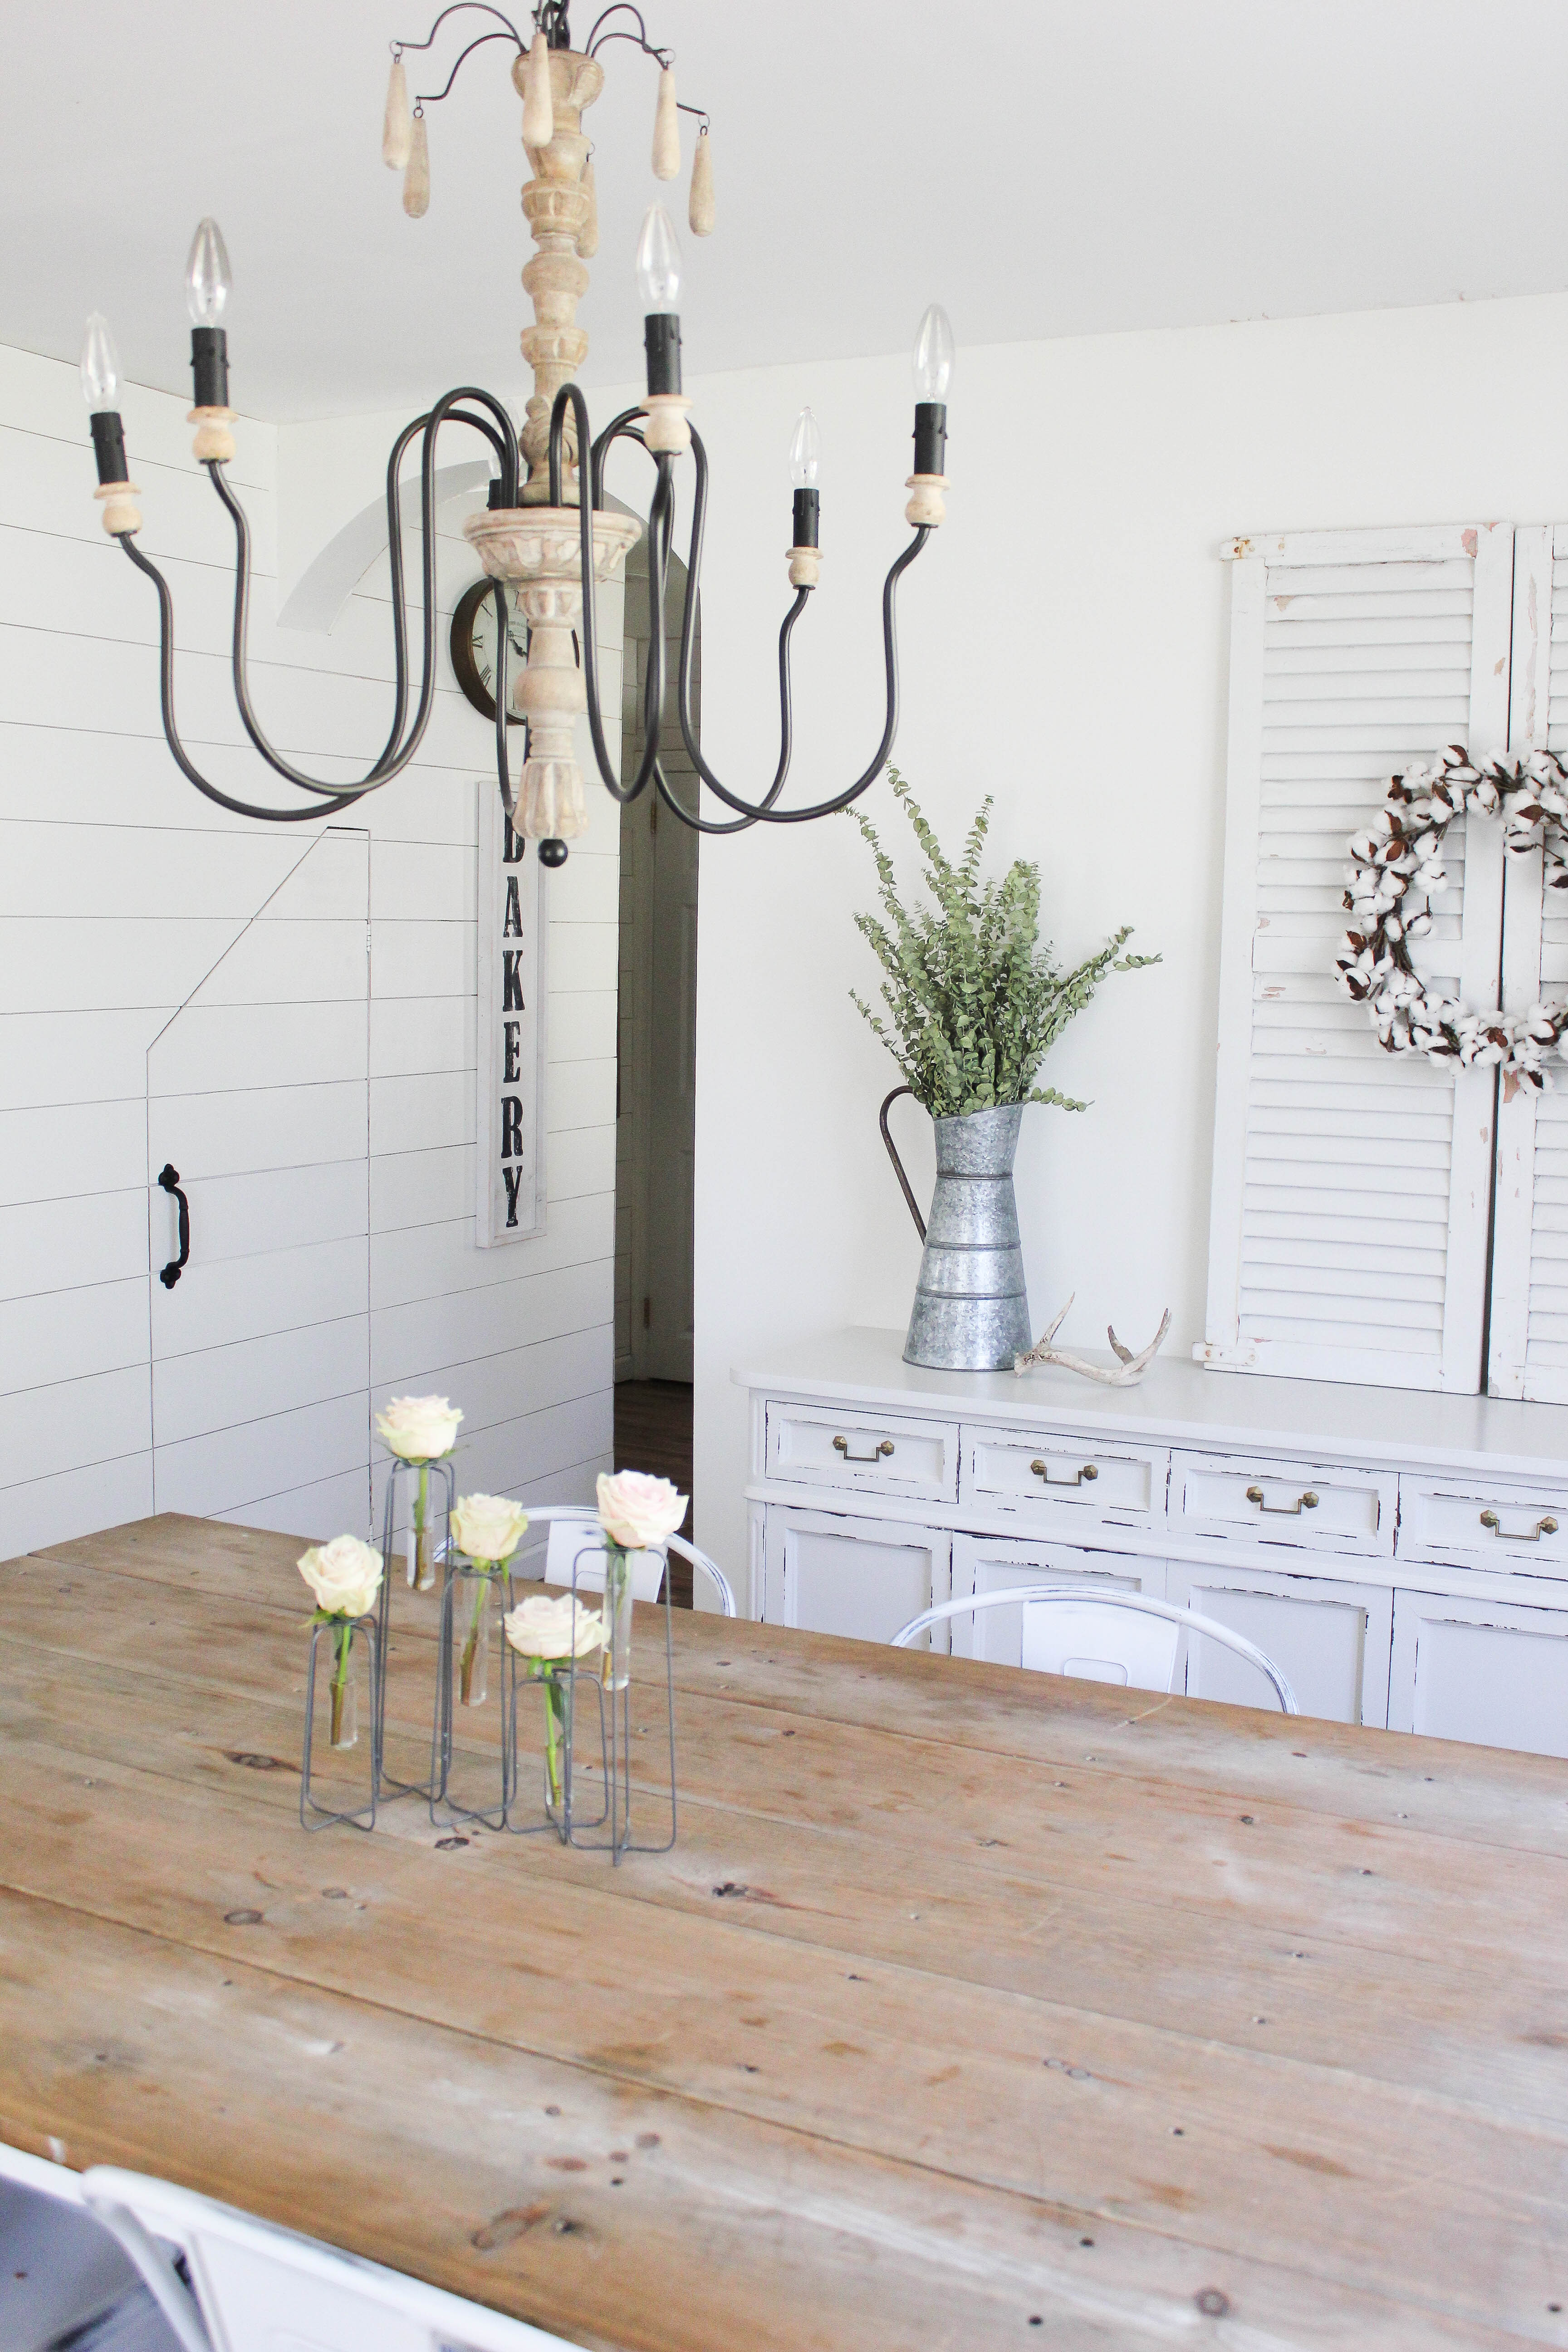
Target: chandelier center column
{"x": 557, "y": 206}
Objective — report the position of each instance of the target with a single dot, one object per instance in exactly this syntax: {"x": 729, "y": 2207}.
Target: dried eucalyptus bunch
{"x": 976, "y": 1002}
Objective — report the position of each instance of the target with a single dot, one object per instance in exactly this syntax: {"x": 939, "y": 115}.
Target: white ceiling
{"x": 1042, "y": 170}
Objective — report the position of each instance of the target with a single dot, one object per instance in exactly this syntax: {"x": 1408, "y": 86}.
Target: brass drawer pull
{"x": 1307, "y": 1502}
{"x": 1541, "y": 1527}
{"x": 1089, "y": 1471}
{"x": 841, "y": 1446}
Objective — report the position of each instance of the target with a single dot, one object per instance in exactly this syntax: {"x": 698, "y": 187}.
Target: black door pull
{"x": 169, "y": 1178}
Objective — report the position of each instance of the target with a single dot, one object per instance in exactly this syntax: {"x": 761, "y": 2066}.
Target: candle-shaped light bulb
{"x": 100, "y": 367}
{"x": 206, "y": 276}
{"x": 658, "y": 261}
{"x": 933, "y": 355}
{"x": 804, "y": 451}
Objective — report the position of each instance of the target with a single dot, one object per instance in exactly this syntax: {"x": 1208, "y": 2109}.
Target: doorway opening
{"x": 656, "y": 1073}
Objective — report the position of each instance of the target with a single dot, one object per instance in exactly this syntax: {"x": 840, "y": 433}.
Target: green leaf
{"x": 974, "y": 1002}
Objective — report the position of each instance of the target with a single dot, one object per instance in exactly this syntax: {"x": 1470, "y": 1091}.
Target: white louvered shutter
{"x": 1528, "y": 1347}
{"x": 1352, "y": 1187}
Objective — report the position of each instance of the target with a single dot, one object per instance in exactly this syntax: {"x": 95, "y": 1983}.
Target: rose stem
{"x": 340, "y": 1680}
{"x": 552, "y": 1763}
{"x": 472, "y": 1643}
{"x": 421, "y": 1496}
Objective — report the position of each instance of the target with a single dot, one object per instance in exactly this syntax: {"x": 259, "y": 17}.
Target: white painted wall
{"x": 119, "y": 888}
{"x": 1063, "y": 647}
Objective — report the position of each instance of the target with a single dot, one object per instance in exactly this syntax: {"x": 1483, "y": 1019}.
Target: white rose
{"x": 635, "y": 1511}
{"x": 488, "y": 1527}
{"x": 542, "y": 1628}
{"x": 419, "y": 1428}
{"x": 345, "y": 1575}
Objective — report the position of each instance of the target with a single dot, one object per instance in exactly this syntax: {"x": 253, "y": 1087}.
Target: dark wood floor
{"x": 653, "y": 1433}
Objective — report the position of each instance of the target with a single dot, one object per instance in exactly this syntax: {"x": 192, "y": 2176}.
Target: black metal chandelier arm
{"x": 457, "y": 9}
{"x": 697, "y": 824}
{"x": 434, "y": 97}
{"x": 503, "y": 749}
{"x": 624, "y": 8}
{"x": 396, "y": 753}
{"x": 750, "y": 811}
{"x": 187, "y": 767}
{"x": 624, "y": 427}
{"x": 891, "y": 654}
{"x": 238, "y": 655}
{"x": 571, "y": 397}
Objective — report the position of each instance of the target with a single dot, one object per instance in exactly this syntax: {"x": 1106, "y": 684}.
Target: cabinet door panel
{"x": 1481, "y": 1671}
{"x": 981, "y": 1564}
{"x": 859, "y": 1577}
{"x": 1331, "y": 1640}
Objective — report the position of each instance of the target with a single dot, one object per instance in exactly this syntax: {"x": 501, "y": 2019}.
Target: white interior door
{"x": 258, "y": 1098}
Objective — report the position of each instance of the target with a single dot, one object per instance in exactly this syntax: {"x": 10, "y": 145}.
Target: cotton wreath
{"x": 1397, "y": 867}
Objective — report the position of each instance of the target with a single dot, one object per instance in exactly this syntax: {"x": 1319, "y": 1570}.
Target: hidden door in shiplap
{"x": 259, "y": 1099}
{"x": 1352, "y": 1188}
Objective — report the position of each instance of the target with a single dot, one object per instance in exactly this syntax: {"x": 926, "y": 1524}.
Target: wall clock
{"x": 474, "y": 647}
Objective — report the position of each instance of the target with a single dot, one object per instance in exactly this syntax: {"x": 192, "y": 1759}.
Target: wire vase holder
{"x": 471, "y": 1651}
{"x": 565, "y": 1685}
{"x": 343, "y": 1703}
{"x": 427, "y": 1559}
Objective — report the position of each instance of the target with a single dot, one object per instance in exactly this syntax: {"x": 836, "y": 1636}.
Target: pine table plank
{"x": 972, "y": 2008}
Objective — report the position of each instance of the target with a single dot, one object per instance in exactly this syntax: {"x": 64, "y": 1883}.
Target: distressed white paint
{"x": 1404, "y": 1559}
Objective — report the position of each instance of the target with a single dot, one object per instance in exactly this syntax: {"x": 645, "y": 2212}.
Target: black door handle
{"x": 169, "y": 1178}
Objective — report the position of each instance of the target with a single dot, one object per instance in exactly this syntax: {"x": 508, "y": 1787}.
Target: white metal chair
{"x": 64, "y": 2281}
{"x": 1098, "y": 1635}
{"x": 572, "y": 1528}
{"x": 257, "y": 2288}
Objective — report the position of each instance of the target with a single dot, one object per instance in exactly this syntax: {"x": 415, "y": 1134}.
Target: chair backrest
{"x": 262, "y": 2289}
{"x": 564, "y": 1532}
{"x": 1097, "y": 1635}
{"x": 65, "y": 2280}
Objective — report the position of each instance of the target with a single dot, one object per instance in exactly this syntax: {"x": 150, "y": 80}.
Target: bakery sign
{"x": 511, "y": 1200}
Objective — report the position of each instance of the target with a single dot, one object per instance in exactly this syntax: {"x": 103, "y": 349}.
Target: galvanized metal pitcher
{"x": 971, "y": 1310}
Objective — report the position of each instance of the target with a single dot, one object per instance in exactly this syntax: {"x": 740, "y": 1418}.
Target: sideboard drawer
{"x": 1287, "y": 1503}
{"x": 820, "y": 1445}
{"x": 1477, "y": 1523}
{"x": 1062, "y": 1482}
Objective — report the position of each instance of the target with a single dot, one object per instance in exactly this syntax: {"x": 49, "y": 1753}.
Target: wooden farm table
{"x": 975, "y": 2008}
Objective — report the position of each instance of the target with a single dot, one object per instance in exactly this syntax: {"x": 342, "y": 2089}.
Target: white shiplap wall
{"x": 120, "y": 891}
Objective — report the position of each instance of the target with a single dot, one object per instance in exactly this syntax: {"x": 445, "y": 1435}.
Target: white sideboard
{"x": 1403, "y": 1557}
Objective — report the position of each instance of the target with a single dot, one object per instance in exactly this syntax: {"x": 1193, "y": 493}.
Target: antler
{"x": 1123, "y": 1375}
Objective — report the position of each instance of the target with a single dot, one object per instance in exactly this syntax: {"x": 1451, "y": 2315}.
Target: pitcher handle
{"x": 897, "y": 1163}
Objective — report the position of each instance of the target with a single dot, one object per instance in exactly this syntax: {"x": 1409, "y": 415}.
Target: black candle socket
{"x": 931, "y": 436}
{"x": 109, "y": 445}
{"x": 209, "y": 366}
{"x": 661, "y": 340}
